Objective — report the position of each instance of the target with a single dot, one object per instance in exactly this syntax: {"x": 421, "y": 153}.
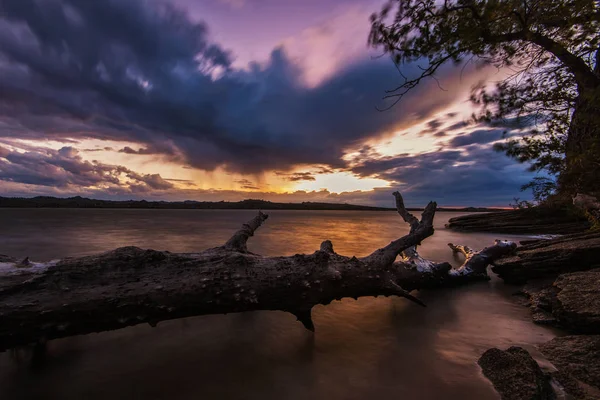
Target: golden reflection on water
{"x": 370, "y": 348}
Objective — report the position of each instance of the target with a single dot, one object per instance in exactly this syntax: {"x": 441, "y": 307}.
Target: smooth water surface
{"x": 373, "y": 348}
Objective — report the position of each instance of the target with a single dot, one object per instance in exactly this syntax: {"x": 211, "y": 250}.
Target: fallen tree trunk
{"x": 129, "y": 286}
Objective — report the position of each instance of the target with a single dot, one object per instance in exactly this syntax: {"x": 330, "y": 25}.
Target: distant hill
{"x": 82, "y": 202}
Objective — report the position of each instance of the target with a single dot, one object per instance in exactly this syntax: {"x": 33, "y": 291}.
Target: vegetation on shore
{"x": 249, "y": 204}
{"x": 550, "y": 51}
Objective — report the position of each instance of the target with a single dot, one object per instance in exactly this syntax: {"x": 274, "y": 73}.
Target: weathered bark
{"x": 129, "y": 286}
{"x": 476, "y": 262}
{"x": 582, "y": 167}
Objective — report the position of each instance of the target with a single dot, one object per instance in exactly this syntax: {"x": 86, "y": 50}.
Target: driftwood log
{"x": 129, "y": 285}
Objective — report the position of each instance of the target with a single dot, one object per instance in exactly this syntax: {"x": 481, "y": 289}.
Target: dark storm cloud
{"x": 65, "y": 168}
{"x": 472, "y": 175}
{"x": 438, "y": 126}
{"x": 456, "y": 126}
{"x": 434, "y": 124}
{"x": 246, "y": 184}
{"x": 297, "y": 176}
{"x": 98, "y": 149}
{"x": 144, "y": 72}
{"x": 479, "y": 136}
{"x": 143, "y": 150}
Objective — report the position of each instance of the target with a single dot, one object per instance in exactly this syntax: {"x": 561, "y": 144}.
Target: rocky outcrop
{"x": 536, "y": 220}
{"x": 574, "y": 372}
{"x": 577, "y": 359}
{"x": 516, "y": 375}
{"x": 538, "y": 297}
{"x": 576, "y": 305}
{"x": 572, "y": 301}
{"x": 550, "y": 258}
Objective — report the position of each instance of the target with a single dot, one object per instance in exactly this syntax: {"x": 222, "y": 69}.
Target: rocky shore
{"x": 545, "y": 259}
{"x": 572, "y": 303}
{"x": 560, "y": 281}
{"x": 536, "y": 220}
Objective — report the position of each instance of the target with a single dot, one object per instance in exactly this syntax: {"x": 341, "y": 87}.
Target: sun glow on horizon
{"x": 339, "y": 182}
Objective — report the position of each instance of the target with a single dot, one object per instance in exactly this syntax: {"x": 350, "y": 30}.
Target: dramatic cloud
{"x": 247, "y": 184}
{"x": 144, "y": 72}
{"x": 65, "y": 169}
{"x": 297, "y": 176}
{"x": 144, "y": 79}
{"x": 480, "y": 136}
{"x": 452, "y": 177}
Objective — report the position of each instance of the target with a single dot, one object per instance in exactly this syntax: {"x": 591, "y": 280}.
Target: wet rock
{"x": 578, "y": 360}
{"x": 4, "y": 258}
{"x": 516, "y": 375}
{"x": 538, "y": 297}
{"x": 572, "y": 302}
{"x": 550, "y": 258}
{"x": 577, "y": 302}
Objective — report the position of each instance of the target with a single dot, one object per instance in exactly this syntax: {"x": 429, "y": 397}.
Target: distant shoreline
{"x": 82, "y": 202}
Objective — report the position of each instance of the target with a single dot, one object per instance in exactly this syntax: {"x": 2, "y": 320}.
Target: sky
{"x": 215, "y": 100}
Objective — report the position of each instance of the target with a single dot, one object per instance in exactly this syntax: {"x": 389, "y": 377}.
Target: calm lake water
{"x": 373, "y": 348}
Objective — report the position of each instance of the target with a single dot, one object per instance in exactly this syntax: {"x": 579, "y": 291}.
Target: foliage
{"x": 547, "y": 49}
{"x": 541, "y": 187}
{"x": 519, "y": 204}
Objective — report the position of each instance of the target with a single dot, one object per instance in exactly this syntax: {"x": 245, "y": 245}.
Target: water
{"x": 366, "y": 349}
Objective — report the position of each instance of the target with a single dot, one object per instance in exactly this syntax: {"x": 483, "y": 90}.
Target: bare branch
{"x": 404, "y": 213}
{"x": 239, "y": 240}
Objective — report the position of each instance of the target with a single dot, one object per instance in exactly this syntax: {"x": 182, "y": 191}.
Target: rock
{"x": 572, "y": 301}
{"x": 4, "y": 258}
{"x": 570, "y": 386}
{"x": 550, "y": 258}
{"x": 536, "y": 220}
{"x": 539, "y": 295}
{"x": 516, "y": 375}
{"x": 577, "y": 358}
{"x": 576, "y": 305}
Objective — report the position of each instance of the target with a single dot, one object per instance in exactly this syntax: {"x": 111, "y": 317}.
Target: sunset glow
{"x": 230, "y": 100}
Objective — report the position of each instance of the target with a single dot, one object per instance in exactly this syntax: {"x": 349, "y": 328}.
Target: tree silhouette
{"x": 550, "y": 48}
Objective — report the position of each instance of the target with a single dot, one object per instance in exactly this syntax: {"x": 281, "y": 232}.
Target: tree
{"x": 551, "y": 52}
{"x": 130, "y": 286}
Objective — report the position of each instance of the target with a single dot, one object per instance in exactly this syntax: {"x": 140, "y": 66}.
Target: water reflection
{"x": 370, "y": 348}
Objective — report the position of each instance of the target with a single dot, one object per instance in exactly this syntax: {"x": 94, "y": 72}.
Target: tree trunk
{"x": 582, "y": 158}
{"x": 129, "y": 286}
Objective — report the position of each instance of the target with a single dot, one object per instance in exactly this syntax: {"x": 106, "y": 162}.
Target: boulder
{"x": 572, "y": 302}
{"x": 576, "y": 305}
{"x": 516, "y": 375}
{"x": 577, "y": 358}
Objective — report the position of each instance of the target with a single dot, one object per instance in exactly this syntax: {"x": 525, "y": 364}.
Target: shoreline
{"x": 248, "y": 204}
